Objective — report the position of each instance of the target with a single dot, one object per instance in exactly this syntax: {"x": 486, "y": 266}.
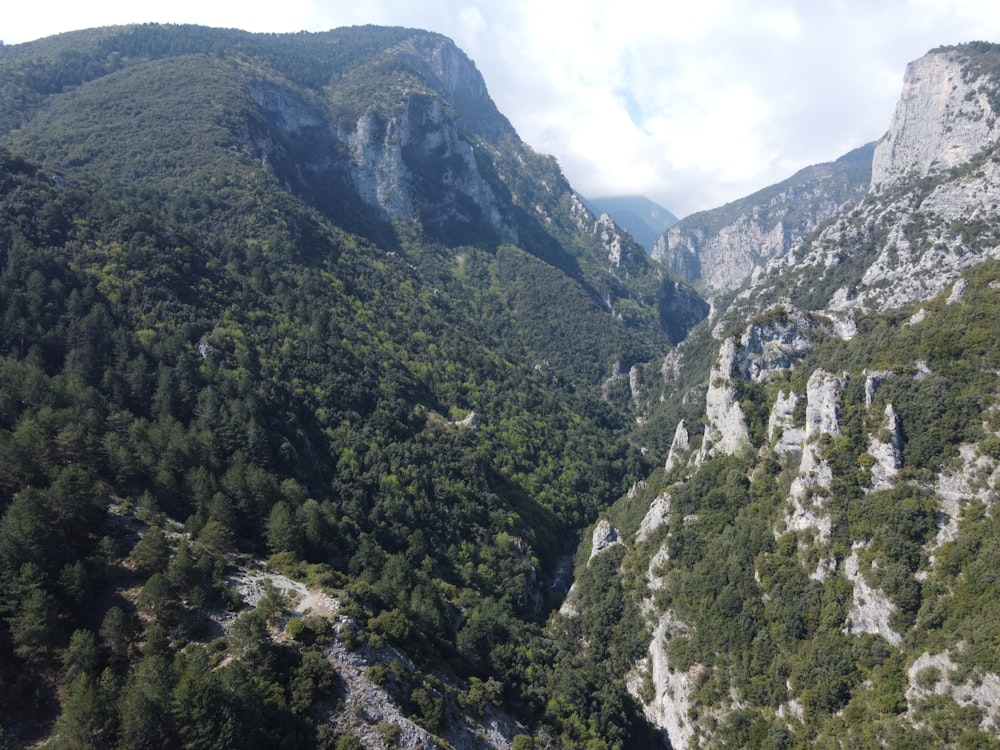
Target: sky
{"x": 692, "y": 104}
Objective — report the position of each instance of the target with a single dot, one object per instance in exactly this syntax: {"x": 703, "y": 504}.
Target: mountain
{"x": 721, "y": 248}
{"x": 302, "y": 314}
{"x": 813, "y": 553}
{"x": 644, "y": 219}
{"x": 332, "y": 417}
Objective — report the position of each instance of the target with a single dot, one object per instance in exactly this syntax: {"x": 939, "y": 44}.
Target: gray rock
{"x": 943, "y": 118}
{"x": 678, "y": 447}
{"x": 726, "y": 426}
{"x": 605, "y": 536}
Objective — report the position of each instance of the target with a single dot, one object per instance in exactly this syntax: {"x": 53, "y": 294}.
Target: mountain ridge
{"x": 816, "y": 436}
{"x": 642, "y": 217}
{"x": 339, "y": 323}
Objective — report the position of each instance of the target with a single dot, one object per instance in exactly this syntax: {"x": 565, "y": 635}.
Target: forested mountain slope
{"x": 722, "y": 248}
{"x": 300, "y": 313}
{"x": 304, "y": 298}
{"x": 818, "y": 550}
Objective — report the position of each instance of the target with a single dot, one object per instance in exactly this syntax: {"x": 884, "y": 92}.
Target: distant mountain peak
{"x": 644, "y": 219}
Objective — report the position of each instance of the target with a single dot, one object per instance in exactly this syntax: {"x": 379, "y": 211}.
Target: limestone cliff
{"x": 726, "y": 427}
{"x": 854, "y": 396}
{"x": 392, "y": 159}
{"x": 943, "y": 118}
{"x": 723, "y": 248}
{"x": 931, "y": 208}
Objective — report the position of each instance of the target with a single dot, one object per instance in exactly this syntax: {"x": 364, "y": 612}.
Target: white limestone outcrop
{"x": 822, "y": 403}
{"x": 422, "y": 128}
{"x": 886, "y": 448}
{"x": 605, "y": 536}
{"x": 974, "y": 477}
{"x": 726, "y": 427}
{"x": 669, "y": 708}
{"x": 943, "y": 118}
{"x": 658, "y": 515}
{"x": 931, "y": 675}
{"x": 773, "y": 344}
{"x": 678, "y": 447}
{"x": 871, "y": 609}
{"x": 814, "y": 476}
{"x": 782, "y": 433}
{"x": 873, "y": 379}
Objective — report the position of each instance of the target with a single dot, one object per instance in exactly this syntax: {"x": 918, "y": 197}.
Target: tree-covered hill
{"x": 305, "y": 298}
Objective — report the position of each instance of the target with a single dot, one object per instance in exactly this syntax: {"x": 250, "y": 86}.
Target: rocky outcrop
{"x": 823, "y": 403}
{"x": 871, "y": 609}
{"x": 773, "y": 343}
{"x": 657, "y": 516}
{"x": 726, "y": 426}
{"x": 725, "y": 259}
{"x": 782, "y": 433}
{"x": 671, "y": 702}
{"x": 814, "y": 475}
{"x": 974, "y": 477}
{"x": 943, "y": 118}
{"x": 621, "y": 248}
{"x": 605, "y": 535}
{"x": 678, "y": 447}
{"x": 931, "y": 210}
{"x": 886, "y": 447}
{"x": 873, "y": 379}
{"x": 724, "y": 248}
{"x": 451, "y": 73}
{"x": 932, "y": 675}
{"x": 644, "y": 219}
{"x": 392, "y": 160}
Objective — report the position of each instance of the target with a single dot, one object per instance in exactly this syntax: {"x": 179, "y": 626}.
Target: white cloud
{"x": 693, "y": 104}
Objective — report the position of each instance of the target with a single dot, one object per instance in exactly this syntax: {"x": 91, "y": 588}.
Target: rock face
{"x": 605, "y": 535}
{"x": 871, "y": 608}
{"x": 414, "y": 159}
{"x": 774, "y": 343}
{"x": 658, "y": 515}
{"x": 930, "y": 211}
{"x": 622, "y": 249}
{"x": 669, "y": 709}
{"x": 930, "y": 675}
{"x": 390, "y": 161}
{"x": 723, "y": 248}
{"x": 975, "y": 477}
{"x": 814, "y": 475}
{"x": 678, "y": 447}
{"x": 454, "y": 76}
{"x": 823, "y": 395}
{"x": 943, "y": 118}
{"x": 782, "y": 432}
{"x": 644, "y": 219}
{"x": 726, "y": 428}
{"x": 887, "y": 451}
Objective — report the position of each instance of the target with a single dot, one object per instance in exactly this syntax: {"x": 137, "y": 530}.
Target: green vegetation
{"x": 764, "y": 625}
{"x": 207, "y": 355}
{"x": 216, "y": 351}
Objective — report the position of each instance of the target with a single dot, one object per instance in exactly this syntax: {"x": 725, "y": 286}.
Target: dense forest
{"x": 315, "y": 382}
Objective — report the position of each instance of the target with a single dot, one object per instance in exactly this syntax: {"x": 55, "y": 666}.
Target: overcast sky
{"x": 691, "y": 103}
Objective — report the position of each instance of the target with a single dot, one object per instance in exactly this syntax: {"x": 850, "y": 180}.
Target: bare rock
{"x": 726, "y": 428}
{"x": 605, "y": 536}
